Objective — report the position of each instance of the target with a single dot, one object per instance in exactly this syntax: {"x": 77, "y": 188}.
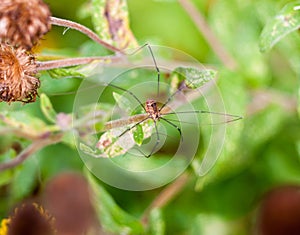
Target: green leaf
{"x": 24, "y": 121}
{"x": 111, "y": 144}
{"x": 111, "y": 22}
{"x": 47, "y": 108}
{"x": 192, "y": 77}
{"x": 123, "y": 102}
{"x": 157, "y": 223}
{"x": 25, "y": 179}
{"x": 298, "y": 103}
{"x": 212, "y": 164}
{"x": 138, "y": 135}
{"x": 203, "y": 224}
{"x": 286, "y": 21}
{"x": 7, "y": 176}
{"x": 112, "y": 217}
{"x": 98, "y": 113}
{"x": 98, "y": 19}
{"x": 65, "y": 73}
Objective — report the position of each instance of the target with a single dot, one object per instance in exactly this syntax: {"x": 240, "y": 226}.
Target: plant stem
{"x": 84, "y": 30}
{"x": 166, "y": 195}
{"x": 34, "y": 147}
{"x": 53, "y": 64}
{"x": 211, "y": 39}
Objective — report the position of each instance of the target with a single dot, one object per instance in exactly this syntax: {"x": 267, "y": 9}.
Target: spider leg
{"x": 123, "y": 133}
{"x": 154, "y": 62}
{"x": 227, "y": 115}
{"x": 130, "y": 128}
{"x": 156, "y": 67}
{"x": 157, "y": 141}
{"x": 130, "y": 93}
{"x": 172, "y": 124}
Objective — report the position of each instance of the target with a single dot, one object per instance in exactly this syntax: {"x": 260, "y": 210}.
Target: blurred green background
{"x": 261, "y": 152}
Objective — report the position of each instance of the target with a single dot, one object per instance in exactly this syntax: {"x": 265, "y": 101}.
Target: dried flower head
{"x": 17, "y": 75}
{"x": 29, "y": 219}
{"x": 23, "y": 22}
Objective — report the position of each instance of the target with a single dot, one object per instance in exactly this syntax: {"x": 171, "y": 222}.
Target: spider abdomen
{"x": 151, "y": 109}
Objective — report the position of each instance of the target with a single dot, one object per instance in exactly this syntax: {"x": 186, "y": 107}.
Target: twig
{"x": 84, "y": 30}
{"x": 166, "y": 195}
{"x": 34, "y": 147}
{"x": 53, "y": 64}
{"x": 203, "y": 27}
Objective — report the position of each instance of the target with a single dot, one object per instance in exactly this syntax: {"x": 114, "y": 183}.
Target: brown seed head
{"x": 23, "y": 22}
{"x": 31, "y": 219}
{"x": 17, "y": 75}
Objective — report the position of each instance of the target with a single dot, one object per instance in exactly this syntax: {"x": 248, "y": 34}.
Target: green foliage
{"x": 47, "y": 108}
{"x": 110, "y": 20}
{"x": 113, "y": 218}
{"x": 157, "y": 223}
{"x": 123, "y": 103}
{"x": 24, "y": 180}
{"x": 228, "y": 174}
{"x": 193, "y": 77}
{"x": 138, "y": 134}
{"x": 285, "y": 22}
{"x": 65, "y": 73}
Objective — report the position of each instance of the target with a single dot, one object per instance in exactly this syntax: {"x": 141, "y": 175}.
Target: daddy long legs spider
{"x": 118, "y": 140}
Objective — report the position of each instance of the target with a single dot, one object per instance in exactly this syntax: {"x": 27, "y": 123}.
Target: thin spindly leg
{"x": 130, "y": 93}
{"x": 157, "y": 141}
{"x": 227, "y": 115}
{"x": 154, "y": 62}
{"x": 124, "y": 132}
{"x": 156, "y": 67}
{"x": 130, "y": 128}
{"x": 172, "y": 124}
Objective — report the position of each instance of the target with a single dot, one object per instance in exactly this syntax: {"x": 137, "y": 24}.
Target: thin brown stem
{"x": 211, "y": 39}
{"x": 84, "y": 30}
{"x": 31, "y": 149}
{"x": 126, "y": 121}
{"x": 166, "y": 195}
{"x": 53, "y": 64}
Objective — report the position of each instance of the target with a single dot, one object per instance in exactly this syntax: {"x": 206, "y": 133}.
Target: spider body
{"x": 152, "y": 110}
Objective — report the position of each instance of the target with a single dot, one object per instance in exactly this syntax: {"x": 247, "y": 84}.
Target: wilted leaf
{"x": 111, "y": 144}
{"x": 112, "y": 217}
{"x": 111, "y": 22}
{"x": 287, "y": 20}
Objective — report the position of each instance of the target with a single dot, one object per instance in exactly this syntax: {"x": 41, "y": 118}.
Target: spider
{"x": 153, "y": 110}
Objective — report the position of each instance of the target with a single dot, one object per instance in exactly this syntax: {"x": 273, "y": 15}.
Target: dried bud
{"x": 17, "y": 75}
{"x": 23, "y": 22}
{"x": 30, "y": 219}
